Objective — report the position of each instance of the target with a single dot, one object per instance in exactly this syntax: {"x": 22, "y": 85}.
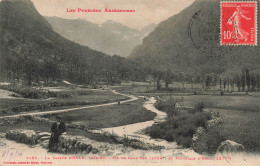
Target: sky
{"x": 146, "y": 11}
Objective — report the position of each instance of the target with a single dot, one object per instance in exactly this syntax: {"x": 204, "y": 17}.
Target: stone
{"x": 229, "y": 146}
{"x": 43, "y": 139}
{"x": 94, "y": 151}
{"x": 44, "y": 134}
{"x": 198, "y": 132}
{"x": 63, "y": 150}
{"x": 23, "y": 136}
{"x": 67, "y": 143}
{"x": 2, "y": 135}
{"x": 60, "y": 149}
{"x": 215, "y": 121}
{"x": 89, "y": 149}
{"x": 44, "y": 143}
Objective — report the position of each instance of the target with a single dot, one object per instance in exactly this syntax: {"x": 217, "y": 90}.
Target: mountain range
{"x": 110, "y": 37}
{"x": 31, "y": 50}
{"x": 178, "y": 44}
{"x": 186, "y": 43}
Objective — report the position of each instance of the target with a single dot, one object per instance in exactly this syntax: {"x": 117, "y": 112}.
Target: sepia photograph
{"x": 129, "y": 82}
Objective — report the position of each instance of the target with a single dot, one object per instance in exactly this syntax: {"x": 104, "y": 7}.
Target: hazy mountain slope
{"x": 110, "y": 37}
{"x": 148, "y": 29}
{"x": 170, "y": 47}
{"x": 21, "y": 24}
{"x": 30, "y": 48}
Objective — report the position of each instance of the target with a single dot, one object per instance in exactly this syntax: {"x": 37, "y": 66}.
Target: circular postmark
{"x": 204, "y": 32}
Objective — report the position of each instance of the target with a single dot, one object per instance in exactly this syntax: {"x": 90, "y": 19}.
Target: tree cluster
{"x": 247, "y": 81}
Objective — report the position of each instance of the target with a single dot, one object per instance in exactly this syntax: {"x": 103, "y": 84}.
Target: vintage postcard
{"x": 129, "y": 82}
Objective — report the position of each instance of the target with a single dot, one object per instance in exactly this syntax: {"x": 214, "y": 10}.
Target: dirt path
{"x": 4, "y": 94}
{"x": 132, "y": 98}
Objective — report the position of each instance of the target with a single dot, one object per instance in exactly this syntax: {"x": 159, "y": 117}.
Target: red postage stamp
{"x": 238, "y": 23}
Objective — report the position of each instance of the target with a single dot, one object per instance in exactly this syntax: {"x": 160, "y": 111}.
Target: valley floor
{"x": 240, "y": 115}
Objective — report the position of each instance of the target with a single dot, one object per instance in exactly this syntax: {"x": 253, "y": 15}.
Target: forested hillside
{"x": 183, "y": 44}
{"x": 30, "y": 50}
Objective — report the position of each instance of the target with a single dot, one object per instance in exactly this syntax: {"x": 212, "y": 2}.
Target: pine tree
{"x": 232, "y": 84}
{"x": 243, "y": 80}
{"x": 238, "y": 82}
{"x": 248, "y": 82}
{"x": 253, "y": 81}
{"x": 258, "y": 81}
{"x": 225, "y": 83}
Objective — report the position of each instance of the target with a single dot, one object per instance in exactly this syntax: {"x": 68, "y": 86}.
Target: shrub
{"x": 81, "y": 93}
{"x": 180, "y": 125}
{"x": 155, "y": 131}
{"x": 27, "y": 92}
{"x": 199, "y": 107}
{"x": 186, "y": 142}
{"x": 168, "y": 136}
{"x": 172, "y": 124}
{"x": 209, "y": 142}
{"x": 213, "y": 141}
{"x": 159, "y": 104}
{"x": 200, "y": 119}
{"x": 172, "y": 112}
{"x": 166, "y": 106}
{"x": 186, "y": 130}
{"x": 14, "y": 95}
{"x": 191, "y": 110}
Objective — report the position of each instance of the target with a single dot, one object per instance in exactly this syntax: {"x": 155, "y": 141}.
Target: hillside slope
{"x": 30, "y": 49}
{"x": 177, "y": 44}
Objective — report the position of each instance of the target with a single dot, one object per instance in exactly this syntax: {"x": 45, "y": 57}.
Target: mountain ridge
{"x": 109, "y": 37}
{"x": 170, "y": 47}
{"x": 30, "y": 50}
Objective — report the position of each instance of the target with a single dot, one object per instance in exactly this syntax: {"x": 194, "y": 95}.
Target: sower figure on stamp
{"x": 235, "y": 20}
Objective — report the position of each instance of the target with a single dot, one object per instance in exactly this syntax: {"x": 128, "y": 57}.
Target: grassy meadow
{"x": 109, "y": 116}
{"x": 239, "y": 126}
{"x": 240, "y": 114}
{"x": 17, "y": 105}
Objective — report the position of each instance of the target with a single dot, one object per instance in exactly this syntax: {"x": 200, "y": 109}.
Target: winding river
{"x": 135, "y": 131}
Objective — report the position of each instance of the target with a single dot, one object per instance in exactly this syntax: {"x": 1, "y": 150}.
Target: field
{"x": 236, "y": 102}
{"x": 240, "y": 115}
{"x": 109, "y": 116}
{"x": 240, "y": 112}
{"x": 241, "y": 127}
{"x": 100, "y": 117}
{"x": 10, "y": 106}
